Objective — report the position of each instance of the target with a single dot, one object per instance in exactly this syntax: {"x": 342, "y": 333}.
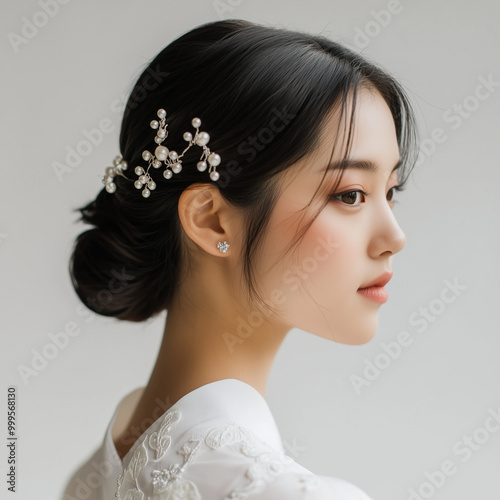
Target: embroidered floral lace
{"x": 221, "y": 442}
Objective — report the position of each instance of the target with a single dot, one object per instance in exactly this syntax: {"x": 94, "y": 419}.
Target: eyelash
{"x": 335, "y": 197}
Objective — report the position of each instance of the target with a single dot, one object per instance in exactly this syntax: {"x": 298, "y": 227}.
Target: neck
{"x": 204, "y": 347}
{"x": 207, "y": 337}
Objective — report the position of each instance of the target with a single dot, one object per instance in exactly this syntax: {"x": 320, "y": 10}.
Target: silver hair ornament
{"x": 163, "y": 156}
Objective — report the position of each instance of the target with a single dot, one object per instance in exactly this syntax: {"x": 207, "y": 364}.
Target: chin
{"x": 361, "y": 333}
{"x": 361, "y": 339}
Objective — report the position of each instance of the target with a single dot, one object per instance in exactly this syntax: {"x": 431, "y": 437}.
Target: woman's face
{"x": 352, "y": 241}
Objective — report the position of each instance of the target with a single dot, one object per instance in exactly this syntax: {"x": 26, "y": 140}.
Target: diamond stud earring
{"x": 223, "y": 246}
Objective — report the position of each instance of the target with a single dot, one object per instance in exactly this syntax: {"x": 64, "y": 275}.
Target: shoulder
{"x": 223, "y": 461}
{"x": 308, "y": 486}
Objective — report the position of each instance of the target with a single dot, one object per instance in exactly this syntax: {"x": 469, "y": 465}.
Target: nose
{"x": 387, "y": 238}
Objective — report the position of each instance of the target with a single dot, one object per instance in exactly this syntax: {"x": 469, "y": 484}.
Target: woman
{"x": 253, "y": 194}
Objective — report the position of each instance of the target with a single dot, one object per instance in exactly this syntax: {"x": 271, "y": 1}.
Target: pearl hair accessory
{"x": 162, "y": 155}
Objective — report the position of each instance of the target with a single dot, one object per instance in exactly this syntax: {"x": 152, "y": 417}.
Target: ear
{"x": 206, "y": 218}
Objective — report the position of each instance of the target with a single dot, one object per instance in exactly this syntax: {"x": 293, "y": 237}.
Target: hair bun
{"x": 111, "y": 274}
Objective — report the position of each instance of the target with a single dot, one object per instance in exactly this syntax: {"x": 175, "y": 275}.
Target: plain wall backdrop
{"x": 384, "y": 417}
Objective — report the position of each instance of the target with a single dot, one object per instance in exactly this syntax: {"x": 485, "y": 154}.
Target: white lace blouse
{"x": 218, "y": 442}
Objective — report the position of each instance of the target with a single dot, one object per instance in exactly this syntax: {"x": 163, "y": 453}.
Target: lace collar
{"x": 225, "y": 400}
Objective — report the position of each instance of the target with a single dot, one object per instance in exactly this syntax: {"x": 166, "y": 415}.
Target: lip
{"x": 375, "y": 293}
{"x": 381, "y": 281}
{"x": 375, "y": 290}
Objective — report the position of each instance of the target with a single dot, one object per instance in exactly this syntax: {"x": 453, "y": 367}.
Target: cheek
{"x": 317, "y": 283}
{"x": 321, "y": 292}
{"x": 329, "y": 255}
{"x": 323, "y": 267}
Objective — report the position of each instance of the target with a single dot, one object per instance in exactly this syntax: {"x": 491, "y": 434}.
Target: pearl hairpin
{"x": 163, "y": 156}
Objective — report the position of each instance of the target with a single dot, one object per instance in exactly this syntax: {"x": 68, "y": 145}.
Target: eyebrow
{"x": 358, "y": 164}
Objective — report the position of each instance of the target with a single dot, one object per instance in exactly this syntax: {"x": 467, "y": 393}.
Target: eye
{"x": 349, "y": 197}
{"x": 391, "y": 193}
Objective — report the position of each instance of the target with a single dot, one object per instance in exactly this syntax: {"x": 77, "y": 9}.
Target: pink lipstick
{"x": 375, "y": 290}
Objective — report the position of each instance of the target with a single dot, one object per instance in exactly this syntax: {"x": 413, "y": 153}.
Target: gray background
{"x": 414, "y": 414}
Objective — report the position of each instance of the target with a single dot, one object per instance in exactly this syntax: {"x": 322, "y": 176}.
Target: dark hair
{"x": 241, "y": 79}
